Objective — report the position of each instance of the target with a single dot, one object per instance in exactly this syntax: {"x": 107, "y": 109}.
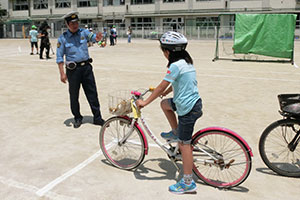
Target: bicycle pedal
{"x": 172, "y": 140}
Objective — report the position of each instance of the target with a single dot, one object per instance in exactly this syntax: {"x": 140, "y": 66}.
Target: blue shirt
{"x": 33, "y": 35}
{"x": 183, "y": 78}
{"x": 74, "y": 45}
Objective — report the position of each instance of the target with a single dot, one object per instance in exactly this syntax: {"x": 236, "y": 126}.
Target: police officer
{"x": 73, "y": 44}
{"x": 45, "y": 42}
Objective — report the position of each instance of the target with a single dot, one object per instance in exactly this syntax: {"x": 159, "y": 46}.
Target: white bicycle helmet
{"x": 173, "y": 41}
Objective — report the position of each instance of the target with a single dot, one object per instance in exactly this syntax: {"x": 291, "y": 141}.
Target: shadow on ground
{"x": 86, "y": 120}
{"x": 168, "y": 171}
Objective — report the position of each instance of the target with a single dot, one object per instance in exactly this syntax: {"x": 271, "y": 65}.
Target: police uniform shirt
{"x": 74, "y": 45}
{"x": 45, "y": 38}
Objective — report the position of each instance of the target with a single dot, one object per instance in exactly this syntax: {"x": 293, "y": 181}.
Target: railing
{"x": 191, "y": 32}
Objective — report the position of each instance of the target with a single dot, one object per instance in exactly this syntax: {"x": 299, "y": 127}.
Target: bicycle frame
{"x": 225, "y": 130}
{"x": 149, "y": 132}
{"x": 172, "y": 154}
{"x": 295, "y": 141}
{"x": 215, "y": 162}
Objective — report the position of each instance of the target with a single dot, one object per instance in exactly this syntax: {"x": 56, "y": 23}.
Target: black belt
{"x": 72, "y": 65}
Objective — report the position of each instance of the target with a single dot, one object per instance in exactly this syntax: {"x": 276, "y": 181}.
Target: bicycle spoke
{"x": 232, "y": 164}
{"x": 123, "y": 153}
{"x": 274, "y": 148}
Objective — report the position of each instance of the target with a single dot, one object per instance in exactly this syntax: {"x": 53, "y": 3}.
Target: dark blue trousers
{"x": 83, "y": 75}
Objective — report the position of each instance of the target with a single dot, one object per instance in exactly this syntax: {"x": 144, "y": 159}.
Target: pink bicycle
{"x": 222, "y": 158}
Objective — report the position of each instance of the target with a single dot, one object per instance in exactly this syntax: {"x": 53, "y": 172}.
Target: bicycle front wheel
{"x": 274, "y": 151}
{"x": 122, "y": 153}
{"x": 220, "y": 159}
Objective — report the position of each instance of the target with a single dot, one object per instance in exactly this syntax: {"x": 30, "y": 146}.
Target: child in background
{"x": 33, "y": 36}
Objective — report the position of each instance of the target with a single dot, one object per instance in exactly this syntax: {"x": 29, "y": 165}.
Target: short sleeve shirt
{"x": 182, "y": 76}
{"x": 33, "y": 35}
{"x": 74, "y": 46}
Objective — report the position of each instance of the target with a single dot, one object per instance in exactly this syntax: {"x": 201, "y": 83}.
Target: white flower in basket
{"x": 123, "y": 108}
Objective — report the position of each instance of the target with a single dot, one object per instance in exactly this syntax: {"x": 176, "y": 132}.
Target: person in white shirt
{"x": 33, "y": 37}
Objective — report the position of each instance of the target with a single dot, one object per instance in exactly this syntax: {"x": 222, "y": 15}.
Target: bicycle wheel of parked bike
{"x": 274, "y": 147}
{"x": 227, "y": 161}
{"x": 122, "y": 146}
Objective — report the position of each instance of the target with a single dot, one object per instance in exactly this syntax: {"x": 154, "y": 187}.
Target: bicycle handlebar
{"x": 138, "y": 95}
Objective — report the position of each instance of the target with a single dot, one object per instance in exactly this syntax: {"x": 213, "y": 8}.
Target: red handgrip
{"x": 136, "y": 93}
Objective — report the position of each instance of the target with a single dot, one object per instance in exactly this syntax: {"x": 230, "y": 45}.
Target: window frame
{"x": 19, "y": 5}
{"x": 40, "y": 4}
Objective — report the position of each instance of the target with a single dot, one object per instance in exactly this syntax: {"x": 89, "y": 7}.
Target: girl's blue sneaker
{"x": 181, "y": 187}
{"x": 169, "y": 135}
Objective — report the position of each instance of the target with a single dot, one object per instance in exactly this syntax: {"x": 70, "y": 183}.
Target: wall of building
{"x": 283, "y": 4}
{"x": 121, "y": 15}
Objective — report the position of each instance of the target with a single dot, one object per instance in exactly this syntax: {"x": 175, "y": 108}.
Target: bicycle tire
{"x": 232, "y": 152}
{"x": 128, "y": 155}
{"x": 274, "y": 151}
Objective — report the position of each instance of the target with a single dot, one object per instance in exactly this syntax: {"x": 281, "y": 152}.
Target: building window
{"x": 133, "y": 2}
{"x": 40, "y": 4}
{"x": 140, "y": 22}
{"x": 20, "y": 5}
{"x": 113, "y": 2}
{"x": 172, "y": 1}
{"x": 207, "y": 21}
{"x": 62, "y": 3}
{"x": 87, "y": 3}
{"x": 175, "y": 23}
{"x": 117, "y": 22}
{"x": 107, "y": 2}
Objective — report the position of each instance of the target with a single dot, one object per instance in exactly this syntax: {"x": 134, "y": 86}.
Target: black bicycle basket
{"x": 290, "y": 103}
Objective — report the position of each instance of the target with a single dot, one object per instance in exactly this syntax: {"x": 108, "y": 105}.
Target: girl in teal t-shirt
{"x": 186, "y": 102}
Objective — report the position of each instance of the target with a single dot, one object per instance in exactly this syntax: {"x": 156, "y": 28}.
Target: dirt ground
{"x": 43, "y": 157}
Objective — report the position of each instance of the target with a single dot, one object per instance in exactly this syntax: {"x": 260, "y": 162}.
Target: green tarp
{"x": 265, "y": 34}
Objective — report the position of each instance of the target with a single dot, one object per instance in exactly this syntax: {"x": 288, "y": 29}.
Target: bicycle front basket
{"x": 290, "y": 103}
{"x": 120, "y": 103}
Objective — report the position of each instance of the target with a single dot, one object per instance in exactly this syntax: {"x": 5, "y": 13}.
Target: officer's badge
{"x": 73, "y": 16}
{"x": 58, "y": 45}
{"x": 82, "y": 38}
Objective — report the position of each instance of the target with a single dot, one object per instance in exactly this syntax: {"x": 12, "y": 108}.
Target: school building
{"x": 196, "y": 18}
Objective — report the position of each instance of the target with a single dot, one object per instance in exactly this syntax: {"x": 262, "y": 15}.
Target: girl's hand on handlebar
{"x": 163, "y": 95}
{"x": 140, "y": 103}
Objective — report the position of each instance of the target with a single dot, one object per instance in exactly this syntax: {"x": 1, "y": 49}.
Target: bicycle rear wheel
{"x": 124, "y": 155}
{"x": 226, "y": 163}
{"x": 274, "y": 151}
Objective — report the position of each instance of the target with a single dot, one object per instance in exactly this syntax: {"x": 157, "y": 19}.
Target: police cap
{"x": 71, "y": 16}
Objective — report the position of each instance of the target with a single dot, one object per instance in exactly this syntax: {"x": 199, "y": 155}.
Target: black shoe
{"x": 99, "y": 122}
{"x": 41, "y": 58}
{"x": 48, "y": 57}
{"x": 31, "y": 53}
{"x": 77, "y": 123}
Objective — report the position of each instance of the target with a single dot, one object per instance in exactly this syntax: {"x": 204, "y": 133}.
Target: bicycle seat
{"x": 292, "y": 108}
{"x": 289, "y": 105}
{"x": 291, "y": 112}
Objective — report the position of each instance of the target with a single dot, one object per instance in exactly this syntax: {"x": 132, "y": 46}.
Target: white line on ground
{"x": 32, "y": 189}
{"x": 48, "y": 187}
{"x": 251, "y": 78}
{"x": 198, "y": 74}
{"x": 248, "y": 71}
{"x": 45, "y": 189}
{"x": 209, "y": 75}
